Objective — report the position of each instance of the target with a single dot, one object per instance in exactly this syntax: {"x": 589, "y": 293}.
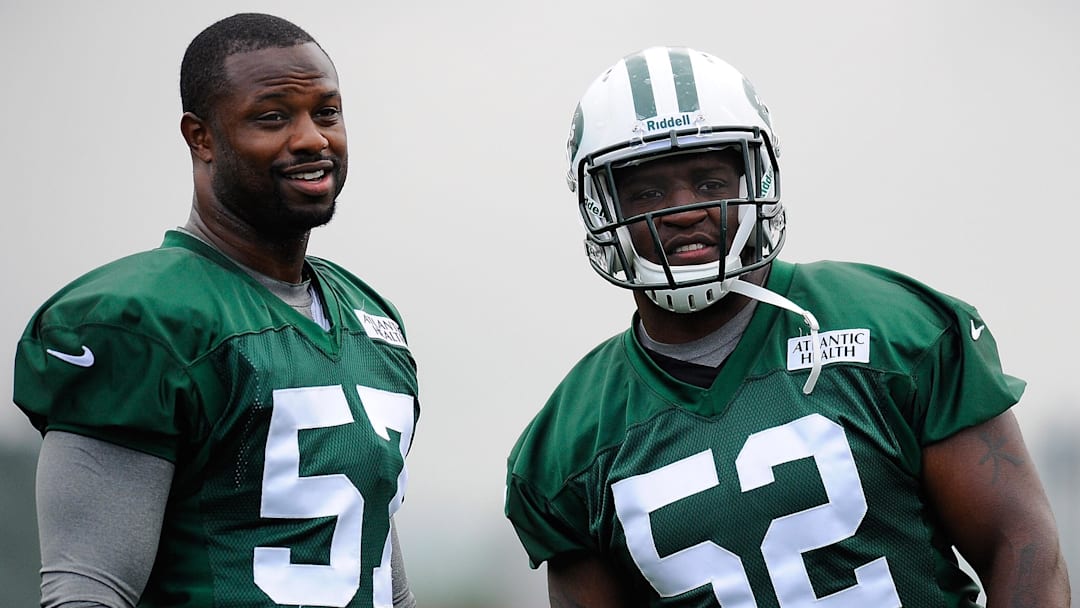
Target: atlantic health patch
{"x": 382, "y": 328}
{"x": 850, "y": 345}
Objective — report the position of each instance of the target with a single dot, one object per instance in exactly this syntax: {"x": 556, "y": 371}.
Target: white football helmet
{"x": 652, "y": 104}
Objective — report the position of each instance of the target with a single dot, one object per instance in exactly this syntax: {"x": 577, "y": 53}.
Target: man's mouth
{"x": 312, "y": 181}
{"x": 308, "y": 176}
{"x": 688, "y": 248}
{"x": 696, "y": 252}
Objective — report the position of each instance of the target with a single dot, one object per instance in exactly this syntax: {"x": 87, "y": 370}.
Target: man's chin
{"x": 298, "y": 222}
{"x": 314, "y": 221}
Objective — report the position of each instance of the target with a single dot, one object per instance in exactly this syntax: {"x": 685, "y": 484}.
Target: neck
{"x": 678, "y": 328}
{"x": 281, "y": 258}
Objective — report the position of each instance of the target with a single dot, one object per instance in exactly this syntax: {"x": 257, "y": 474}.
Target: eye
{"x": 640, "y": 200}
{"x": 650, "y": 194}
{"x": 329, "y": 114}
{"x": 713, "y": 185}
{"x": 271, "y": 117}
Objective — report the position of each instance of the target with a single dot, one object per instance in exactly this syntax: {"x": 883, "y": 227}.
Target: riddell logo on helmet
{"x": 670, "y": 122}
{"x": 766, "y": 184}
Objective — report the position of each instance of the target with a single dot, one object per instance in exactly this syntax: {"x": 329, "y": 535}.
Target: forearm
{"x": 1029, "y": 573}
{"x": 988, "y": 495}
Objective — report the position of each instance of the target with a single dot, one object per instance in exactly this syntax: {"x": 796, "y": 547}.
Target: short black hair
{"x": 202, "y": 71}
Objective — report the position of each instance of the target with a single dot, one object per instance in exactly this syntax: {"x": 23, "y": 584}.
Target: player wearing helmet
{"x": 759, "y": 437}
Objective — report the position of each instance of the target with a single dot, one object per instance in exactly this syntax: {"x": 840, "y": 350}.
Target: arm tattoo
{"x": 995, "y": 453}
{"x": 1023, "y": 595}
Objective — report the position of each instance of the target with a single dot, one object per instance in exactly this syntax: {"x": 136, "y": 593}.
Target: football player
{"x": 226, "y": 420}
{"x": 765, "y": 434}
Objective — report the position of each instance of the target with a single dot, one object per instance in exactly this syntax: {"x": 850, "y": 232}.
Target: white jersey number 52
{"x": 787, "y": 537}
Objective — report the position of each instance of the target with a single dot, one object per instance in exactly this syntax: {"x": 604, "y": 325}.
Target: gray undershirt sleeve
{"x": 99, "y": 509}
{"x": 403, "y": 596}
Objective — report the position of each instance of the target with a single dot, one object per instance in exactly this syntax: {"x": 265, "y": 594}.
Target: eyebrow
{"x": 279, "y": 95}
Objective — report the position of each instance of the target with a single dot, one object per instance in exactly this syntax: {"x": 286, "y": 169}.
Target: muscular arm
{"x": 585, "y": 581}
{"x": 989, "y": 497}
{"x": 100, "y": 508}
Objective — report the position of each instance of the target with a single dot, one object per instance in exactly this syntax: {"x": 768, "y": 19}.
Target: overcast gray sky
{"x": 936, "y": 138}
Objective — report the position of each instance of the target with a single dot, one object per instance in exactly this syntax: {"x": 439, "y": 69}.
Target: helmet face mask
{"x": 694, "y": 105}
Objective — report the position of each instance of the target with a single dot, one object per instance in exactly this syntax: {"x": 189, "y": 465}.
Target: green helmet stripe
{"x": 641, "y": 86}
{"x": 685, "y": 85}
{"x": 682, "y": 70}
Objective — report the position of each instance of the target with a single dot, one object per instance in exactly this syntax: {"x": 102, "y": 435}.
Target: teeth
{"x": 691, "y": 247}
{"x": 308, "y": 176}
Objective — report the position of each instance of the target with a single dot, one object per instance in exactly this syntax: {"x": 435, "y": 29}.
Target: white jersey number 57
{"x": 287, "y": 494}
{"x": 787, "y": 538}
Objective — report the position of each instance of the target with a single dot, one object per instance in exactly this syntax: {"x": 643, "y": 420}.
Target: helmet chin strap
{"x": 676, "y": 300}
{"x": 761, "y": 294}
{"x": 684, "y": 299}
{"x": 692, "y": 299}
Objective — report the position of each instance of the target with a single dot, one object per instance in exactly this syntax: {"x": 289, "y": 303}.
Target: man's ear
{"x": 198, "y": 136}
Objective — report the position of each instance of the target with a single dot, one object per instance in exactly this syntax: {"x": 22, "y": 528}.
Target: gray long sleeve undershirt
{"x": 100, "y": 508}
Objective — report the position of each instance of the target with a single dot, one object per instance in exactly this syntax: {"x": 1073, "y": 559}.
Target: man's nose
{"x": 307, "y": 137}
{"x": 681, "y": 197}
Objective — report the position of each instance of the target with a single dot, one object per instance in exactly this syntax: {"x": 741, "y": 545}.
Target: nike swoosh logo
{"x": 86, "y": 359}
{"x": 976, "y": 331}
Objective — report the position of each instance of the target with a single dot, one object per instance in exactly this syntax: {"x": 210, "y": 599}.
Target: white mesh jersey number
{"x": 787, "y": 538}
{"x": 285, "y": 494}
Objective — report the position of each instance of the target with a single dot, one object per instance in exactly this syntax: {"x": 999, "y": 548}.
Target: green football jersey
{"x": 289, "y": 441}
{"x": 750, "y": 493}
